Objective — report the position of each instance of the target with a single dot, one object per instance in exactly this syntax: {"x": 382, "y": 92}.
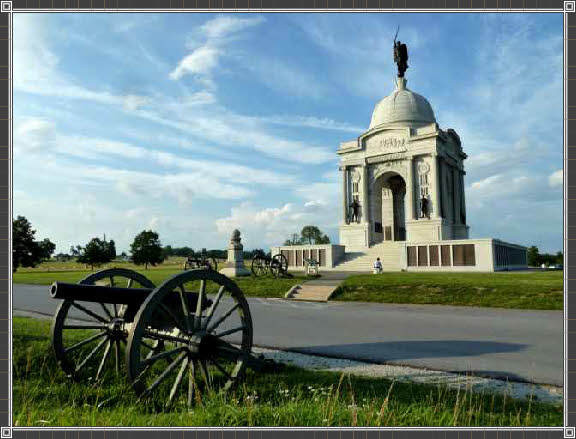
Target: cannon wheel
{"x": 211, "y": 263}
{"x": 84, "y": 334}
{"x": 259, "y": 266}
{"x": 279, "y": 265}
{"x": 205, "y": 348}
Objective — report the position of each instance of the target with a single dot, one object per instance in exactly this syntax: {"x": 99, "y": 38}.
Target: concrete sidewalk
{"x": 320, "y": 290}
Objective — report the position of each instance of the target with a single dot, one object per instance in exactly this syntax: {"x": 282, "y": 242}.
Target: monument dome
{"x": 402, "y": 106}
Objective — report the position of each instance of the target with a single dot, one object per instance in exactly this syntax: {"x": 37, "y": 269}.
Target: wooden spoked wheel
{"x": 203, "y": 322}
{"x": 279, "y": 265}
{"x": 88, "y": 336}
{"x": 259, "y": 266}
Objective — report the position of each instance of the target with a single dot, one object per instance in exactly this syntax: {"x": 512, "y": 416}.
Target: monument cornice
{"x": 425, "y": 136}
{"x": 387, "y": 158}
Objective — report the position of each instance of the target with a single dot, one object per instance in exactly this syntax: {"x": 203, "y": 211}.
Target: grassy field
{"x": 43, "y": 396}
{"x": 537, "y": 290}
{"x": 49, "y": 272}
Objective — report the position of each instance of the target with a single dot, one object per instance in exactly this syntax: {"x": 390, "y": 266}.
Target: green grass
{"x": 43, "y": 396}
{"x": 538, "y": 290}
{"x": 267, "y": 286}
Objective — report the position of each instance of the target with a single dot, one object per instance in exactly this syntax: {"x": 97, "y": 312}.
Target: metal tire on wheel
{"x": 206, "y": 342}
{"x": 259, "y": 266}
{"x": 279, "y": 265}
{"x": 86, "y": 334}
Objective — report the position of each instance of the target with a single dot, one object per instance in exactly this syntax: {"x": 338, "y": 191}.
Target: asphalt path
{"x": 517, "y": 345}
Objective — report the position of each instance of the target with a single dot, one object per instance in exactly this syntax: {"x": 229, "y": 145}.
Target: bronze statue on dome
{"x": 400, "y": 56}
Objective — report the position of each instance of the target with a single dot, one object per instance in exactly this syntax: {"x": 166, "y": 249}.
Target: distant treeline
{"x": 217, "y": 254}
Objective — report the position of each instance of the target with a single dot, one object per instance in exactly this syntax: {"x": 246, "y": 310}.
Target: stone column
{"x": 457, "y": 199}
{"x": 437, "y": 186}
{"x": 344, "y": 194}
{"x": 365, "y": 218}
{"x": 462, "y": 197}
{"x": 410, "y": 193}
{"x": 234, "y": 266}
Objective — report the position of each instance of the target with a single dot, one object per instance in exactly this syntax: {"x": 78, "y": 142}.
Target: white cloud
{"x": 205, "y": 57}
{"x": 264, "y": 227}
{"x": 200, "y": 62}
{"x": 322, "y": 123}
{"x": 223, "y": 26}
{"x": 133, "y": 102}
{"x": 556, "y": 178}
{"x": 36, "y": 67}
{"x": 33, "y": 135}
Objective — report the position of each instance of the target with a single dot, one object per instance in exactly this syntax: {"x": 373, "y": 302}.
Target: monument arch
{"x": 388, "y": 199}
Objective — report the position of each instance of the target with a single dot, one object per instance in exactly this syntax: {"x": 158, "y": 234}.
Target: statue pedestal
{"x": 234, "y": 266}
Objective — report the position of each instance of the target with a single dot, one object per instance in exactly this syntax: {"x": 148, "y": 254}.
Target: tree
{"x": 533, "y": 255}
{"x": 96, "y": 252}
{"x": 47, "y": 248}
{"x": 112, "y": 249}
{"x": 26, "y": 252}
{"x": 313, "y": 233}
{"x": 146, "y": 249}
{"x": 560, "y": 258}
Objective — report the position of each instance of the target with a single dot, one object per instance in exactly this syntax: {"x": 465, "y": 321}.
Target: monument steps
{"x": 388, "y": 252}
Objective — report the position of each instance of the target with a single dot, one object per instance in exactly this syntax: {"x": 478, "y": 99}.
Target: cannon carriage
{"x": 190, "y": 335}
{"x": 277, "y": 265}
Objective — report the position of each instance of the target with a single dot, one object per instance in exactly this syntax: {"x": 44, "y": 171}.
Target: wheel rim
{"x": 279, "y": 265}
{"x": 88, "y": 337}
{"x": 259, "y": 267}
{"x": 203, "y": 352}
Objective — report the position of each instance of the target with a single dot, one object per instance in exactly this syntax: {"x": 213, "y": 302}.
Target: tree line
{"x": 536, "y": 259}
{"x": 146, "y": 249}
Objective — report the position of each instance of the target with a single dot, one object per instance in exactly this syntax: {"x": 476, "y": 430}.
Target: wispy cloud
{"x": 204, "y": 59}
{"x": 556, "y": 179}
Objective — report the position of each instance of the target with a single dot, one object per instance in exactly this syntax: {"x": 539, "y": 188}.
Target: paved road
{"x": 519, "y": 345}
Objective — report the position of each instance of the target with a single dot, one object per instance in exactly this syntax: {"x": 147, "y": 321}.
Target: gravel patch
{"x": 524, "y": 391}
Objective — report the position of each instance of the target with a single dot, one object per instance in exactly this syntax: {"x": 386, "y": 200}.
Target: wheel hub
{"x": 116, "y": 328}
{"x": 202, "y": 344}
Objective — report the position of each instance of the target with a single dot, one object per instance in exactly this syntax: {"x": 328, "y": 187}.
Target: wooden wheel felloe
{"x": 203, "y": 322}
{"x": 279, "y": 265}
{"x": 88, "y": 336}
{"x": 259, "y": 266}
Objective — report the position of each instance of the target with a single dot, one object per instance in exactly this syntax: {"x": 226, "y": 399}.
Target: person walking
{"x": 377, "y": 266}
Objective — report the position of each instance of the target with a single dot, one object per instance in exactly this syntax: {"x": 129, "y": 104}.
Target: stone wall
{"x": 463, "y": 255}
{"x": 328, "y": 255}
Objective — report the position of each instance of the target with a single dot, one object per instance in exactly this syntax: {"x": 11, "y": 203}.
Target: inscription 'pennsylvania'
{"x": 385, "y": 144}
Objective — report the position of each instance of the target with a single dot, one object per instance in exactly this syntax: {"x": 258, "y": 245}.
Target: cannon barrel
{"x": 118, "y": 295}
{"x": 98, "y": 293}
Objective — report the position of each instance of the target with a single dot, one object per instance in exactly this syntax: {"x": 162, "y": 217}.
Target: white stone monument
{"x": 234, "y": 266}
{"x": 406, "y": 174}
{"x": 403, "y": 198}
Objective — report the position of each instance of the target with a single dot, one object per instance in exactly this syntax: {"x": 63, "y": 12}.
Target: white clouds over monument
{"x": 231, "y": 118}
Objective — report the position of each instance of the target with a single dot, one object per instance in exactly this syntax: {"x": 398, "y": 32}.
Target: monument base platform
{"x": 235, "y": 271}
{"x": 480, "y": 255}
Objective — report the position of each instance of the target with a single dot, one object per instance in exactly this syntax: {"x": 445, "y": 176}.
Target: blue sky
{"x": 195, "y": 124}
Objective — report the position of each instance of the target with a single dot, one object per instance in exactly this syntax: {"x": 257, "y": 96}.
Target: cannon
{"x": 277, "y": 265}
{"x": 190, "y": 335}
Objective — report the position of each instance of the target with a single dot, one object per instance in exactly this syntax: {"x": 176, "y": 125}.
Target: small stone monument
{"x": 234, "y": 266}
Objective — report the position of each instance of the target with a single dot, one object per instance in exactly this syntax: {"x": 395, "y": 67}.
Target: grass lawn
{"x": 43, "y": 396}
{"x": 49, "y": 272}
{"x": 537, "y": 290}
